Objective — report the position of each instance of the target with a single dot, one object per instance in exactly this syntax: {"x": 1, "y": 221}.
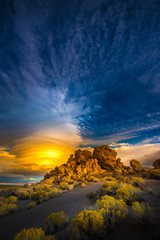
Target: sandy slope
{"x": 72, "y": 203}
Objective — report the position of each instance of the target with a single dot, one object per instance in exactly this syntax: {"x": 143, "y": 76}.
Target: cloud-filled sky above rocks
{"x": 77, "y": 74}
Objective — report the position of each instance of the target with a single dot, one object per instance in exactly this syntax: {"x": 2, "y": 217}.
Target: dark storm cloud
{"x": 94, "y": 64}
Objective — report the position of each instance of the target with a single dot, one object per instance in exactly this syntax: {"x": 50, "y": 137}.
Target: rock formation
{"x": 83, "y": 163}
{"x": 136, "y": 166}
{"x": 156, "y": 164}
{"x": 106, "y": 157}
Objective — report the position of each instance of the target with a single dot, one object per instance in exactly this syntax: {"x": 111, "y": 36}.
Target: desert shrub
{"x": 128, "y": 193}
{"x": 109, "y": 179}
{"x": 142, "y": 212}
{"x": 89, "y": 222}
{"x": 7, "y": 208}
{"x": 111, "y": 186}
{"x": 31, "y": 204}
{"x": 49, "y": 181}
{"x": 9, "y": 200}
{"x": 83, "y": 185}
{"x": 70, "y": 187}
{"x": 12, "y": 199}
{"x": 90, "y": 178}
{"x": 138, "y": 182}
{"x": 55, "y": 221}
{"x": 44, "y": 194}
{"x": 24, "y": 195}
{"x": 155, "y": 173}
{"x": 112, "y": 209}
{"x": 63, "y": 185}
{"x": 124, "y": 179}
{"x": 71, "y": 181}
{"x": 33, "y": 234}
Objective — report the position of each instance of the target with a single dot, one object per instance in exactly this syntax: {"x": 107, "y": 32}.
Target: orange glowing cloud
{"x": 34, "y": 156}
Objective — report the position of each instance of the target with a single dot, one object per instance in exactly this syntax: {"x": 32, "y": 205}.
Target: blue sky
{"x": 86, "y": 72}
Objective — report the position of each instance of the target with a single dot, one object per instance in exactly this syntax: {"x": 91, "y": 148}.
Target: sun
{"x": 50, "y": 154}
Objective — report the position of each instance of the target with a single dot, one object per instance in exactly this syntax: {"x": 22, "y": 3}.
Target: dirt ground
{"x": 74, "y": 202}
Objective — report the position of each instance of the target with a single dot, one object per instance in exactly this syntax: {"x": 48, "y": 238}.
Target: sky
{"x": 77, "y": 74}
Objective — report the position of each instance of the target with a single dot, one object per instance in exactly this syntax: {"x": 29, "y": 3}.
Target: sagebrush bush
{"x": 138, "y": 181}
{"x": 33, "y": 234}
{"x": 91, "y": 178}
{"x": 45, "y": 193}
{"x": 12, "y": 199}
{"x": 123, "y": 179}
{"x": 128, "y": 193}
{"x": 63, "y": 185}
{"x": 112, "y": 209}
{"x": 31, "y": 204}
{"x": 9, "y": 200}
{"x": 111, "y": 186}
{"x": 90, "y": 222}
{"x": 71, "y": 181}
{"x": 83, "y": 185}
{"x": 7, "y": 208}
{"x": 109, "y": 179}
{"x": 142, "y": 212}
{"x": 155, "y": 173}
{"x": 24, "y": 195}
{"x": 70, "y": 187}
{"x": 55, "y": 221}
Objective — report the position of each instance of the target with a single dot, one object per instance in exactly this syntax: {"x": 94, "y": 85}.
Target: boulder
{"x": 82, "y": 156}
{"x": 136, "y": 166}
{"x": 156, "y": 164}
{"x": 106, "y": 157}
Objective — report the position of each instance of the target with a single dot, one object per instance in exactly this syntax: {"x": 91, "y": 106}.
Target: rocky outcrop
{"x": 106, "y": 157}
{"x": 135, "y": 165}
{"x": 156, "y": 164}
{"x": 83, "y": 163}
{"x": 77, "y": 166}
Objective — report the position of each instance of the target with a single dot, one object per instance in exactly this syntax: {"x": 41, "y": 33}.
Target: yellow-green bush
{"x": 70, "y": 187}
{"x": 71, "y": 181}
{"x": 63, "y": 185}
{"x": 31, "y": 204}
{"x": 89, "y": 222}
{"x": 12, "y": 199}
{"x": 55, "y": 221}
{"x": 142, "y": 212}
{"x": 111, "y": 186}
{"x": 83, "y": 185}
{"x": 9, "y": 200}
{"x": 155, "y": 173}
{"x": 138, "y": 181}
{"x": 45, "y": 193}
{"x": 128, "y": 193}
{"x": 7, "y": 208}
{"x": 112, "y": 209}
{"x": 24, "y": 195}
{"x": 91, "y": 178}
{"x": 109, "y": 179}
{"x": 33, "y": 234}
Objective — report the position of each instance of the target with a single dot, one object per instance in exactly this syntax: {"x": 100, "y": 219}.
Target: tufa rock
{"x": 83, "y": 163}
{"x": 106, "y": 157}
{"x": 136, "y": 166}
{"x": 156, "y": 164}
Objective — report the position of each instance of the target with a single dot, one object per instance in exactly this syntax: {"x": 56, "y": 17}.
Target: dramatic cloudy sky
{"x": 77, "y": 73}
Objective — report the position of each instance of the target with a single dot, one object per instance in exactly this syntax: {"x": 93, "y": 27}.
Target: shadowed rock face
{"x": 136, "y": 166}
{"x": 106, "y": 157}
{"x": 156, "y": 164}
